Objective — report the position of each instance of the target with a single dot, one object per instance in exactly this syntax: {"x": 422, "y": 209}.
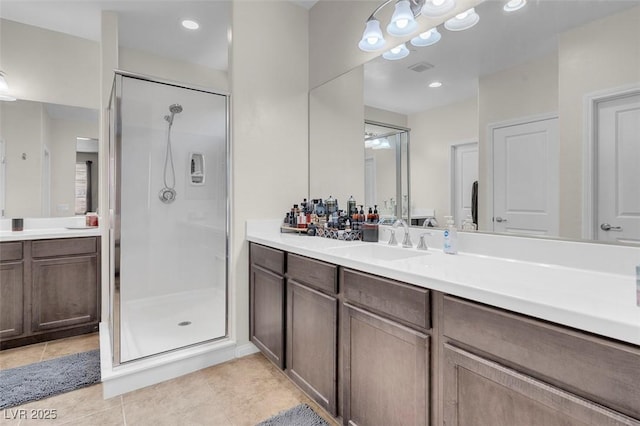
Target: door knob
{"x": 499, "y": 219}
{"x": 607, "y": 227}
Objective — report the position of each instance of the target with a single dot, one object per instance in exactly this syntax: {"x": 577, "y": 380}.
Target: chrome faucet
{"x": 406, "y": 242}
{"x": 422, "y": 245}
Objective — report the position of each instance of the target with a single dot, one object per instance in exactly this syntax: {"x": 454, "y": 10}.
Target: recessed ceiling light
{"x": 435, "y": 84}
{"x": 190, "y": 25}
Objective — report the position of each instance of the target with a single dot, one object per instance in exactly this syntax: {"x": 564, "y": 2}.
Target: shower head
{"x": 174, "y": 109}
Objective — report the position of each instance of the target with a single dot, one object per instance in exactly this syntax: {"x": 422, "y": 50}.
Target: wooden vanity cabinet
{"x": 49, "y": 289}
{"x": 502, "y": 368}
{"x": 63, "y": 283}
{"x": 312, "y": 328}
{"x": 386, "y": 350}
{"x": 266, "y": 299}
{"x": 11, "y": 290}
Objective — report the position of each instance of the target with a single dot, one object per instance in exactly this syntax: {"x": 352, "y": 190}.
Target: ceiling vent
{"x": 420, "y": 67}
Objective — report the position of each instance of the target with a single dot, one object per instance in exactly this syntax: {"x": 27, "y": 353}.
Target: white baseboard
{"x": 246, "y": 349}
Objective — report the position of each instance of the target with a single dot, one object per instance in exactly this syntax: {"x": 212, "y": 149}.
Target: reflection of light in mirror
{"x": 463, "y": 21}
{"x": 190, "y": 24}
{"x": 435, "y": 8}
{"x": 372, "y": 39}
{"x": 402, "y": 22}
{"x": 396, "y": 53}
{"x": 427, "y": 38}
{"x": 435, "y": 84}
{"x": 513, "y": 5}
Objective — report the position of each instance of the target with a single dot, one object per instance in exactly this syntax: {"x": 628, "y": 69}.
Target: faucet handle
{"x": 392, "y": 239}
{"x": 422, "y": 245}
{"x": 406, "y": 242}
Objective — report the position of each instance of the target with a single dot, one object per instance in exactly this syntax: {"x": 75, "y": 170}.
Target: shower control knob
{"x": 167, "y": 195}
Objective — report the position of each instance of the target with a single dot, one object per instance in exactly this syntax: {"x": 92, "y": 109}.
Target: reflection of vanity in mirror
{"x": 521, "y": 97}
{"x": 50, "y": 159}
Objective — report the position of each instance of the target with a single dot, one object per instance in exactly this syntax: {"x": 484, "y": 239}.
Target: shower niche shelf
{"x": 196, "y": 168}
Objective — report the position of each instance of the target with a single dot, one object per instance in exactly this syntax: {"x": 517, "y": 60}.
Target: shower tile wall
{"x": 173, "y": 256}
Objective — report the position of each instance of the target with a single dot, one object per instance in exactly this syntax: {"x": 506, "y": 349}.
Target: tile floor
{"x": 241, "y": 392}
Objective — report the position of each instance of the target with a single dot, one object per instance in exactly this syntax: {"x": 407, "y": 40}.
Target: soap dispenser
{"x": 450, "y": 237}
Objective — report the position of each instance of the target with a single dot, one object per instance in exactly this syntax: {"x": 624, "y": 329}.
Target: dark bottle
{"x": 376, "y": 216}
{"x": 370, "y": 215}
{"x": 351, "y": 206}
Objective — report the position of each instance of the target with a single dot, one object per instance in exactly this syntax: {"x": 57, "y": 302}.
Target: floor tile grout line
{"x": 124, "y": 416}
{"x": 44, "y": 349}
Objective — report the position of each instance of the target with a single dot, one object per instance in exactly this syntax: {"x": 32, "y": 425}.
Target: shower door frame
{"x": 115, "y": 153}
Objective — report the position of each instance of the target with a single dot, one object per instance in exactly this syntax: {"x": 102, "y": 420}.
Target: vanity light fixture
{"x": 463, "y": 21}
{"x": 435, "y": 8}
{"x": 396, "y": 53}
{"x": 513, "y": 5}
{"x": 4, "y": 89}
{"x": 403, "y": 22}
{"x": 427, "y": 38}
{"x": 435, "y": 84}
{"x": 190, "y": 24}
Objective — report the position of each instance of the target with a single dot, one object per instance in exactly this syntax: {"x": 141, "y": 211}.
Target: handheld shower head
{"x": 173, "y": 109}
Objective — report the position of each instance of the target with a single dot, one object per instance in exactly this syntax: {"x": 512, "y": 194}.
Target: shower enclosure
{"x": 169, "y": 204}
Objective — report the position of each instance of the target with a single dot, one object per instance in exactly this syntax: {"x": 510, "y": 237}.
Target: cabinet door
{"x": 11, "y": 299}
{"x": 312, "y": 343}
{"x": 386, "y": 371}
{"x": 479, "y": 392}
{"x": 267, "y": 313}
{"x": 64, "y": 292}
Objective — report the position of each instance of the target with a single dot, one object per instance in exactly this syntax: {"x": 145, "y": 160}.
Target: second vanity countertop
{"x": 48, "y": 233}
{"x": 599, "y": 302}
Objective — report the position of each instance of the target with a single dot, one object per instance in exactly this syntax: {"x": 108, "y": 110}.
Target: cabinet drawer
{"x": 595, "y": 368}
{"x": 268, "y": 258}
{"x": 319, "y": 275}
{"x": 64, "y": 247}
{"x": 405, "y": 303}
{"x": 11, "y": 251}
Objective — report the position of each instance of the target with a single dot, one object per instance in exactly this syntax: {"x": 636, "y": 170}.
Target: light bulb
{"x": 462, "y": 15}
{"x": 437, "y": 2}
{"x": 372, "y": 40}
{"x": 426, "y": 34}
{"x": 402, "y": 23}
{"x": 396, "y": 49}
{"x": 513, "y": 5}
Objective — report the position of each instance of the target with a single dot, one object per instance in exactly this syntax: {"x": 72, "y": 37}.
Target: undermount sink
{"x": 377, "y": 252}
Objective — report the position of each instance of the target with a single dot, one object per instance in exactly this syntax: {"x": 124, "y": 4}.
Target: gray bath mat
{"x": 47, "y": 378}
{"x": 300, "y": 415}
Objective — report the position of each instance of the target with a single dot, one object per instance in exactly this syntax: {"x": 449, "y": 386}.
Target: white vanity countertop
{"x": 599, "y": 302}
{"x": 47, "y": 228}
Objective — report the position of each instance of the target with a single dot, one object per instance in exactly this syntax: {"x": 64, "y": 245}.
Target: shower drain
{"x": 183, "y": 323}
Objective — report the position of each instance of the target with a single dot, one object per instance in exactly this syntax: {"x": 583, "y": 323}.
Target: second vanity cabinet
{"x": 49, "y": 289}
{"x": 385, "y": 351}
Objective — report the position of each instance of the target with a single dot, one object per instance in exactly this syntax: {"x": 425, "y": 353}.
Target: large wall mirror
{"x": 49, "y": 164}
{"x": 540, "y": 107}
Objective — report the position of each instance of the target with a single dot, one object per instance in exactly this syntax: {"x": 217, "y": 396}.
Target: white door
{"x": 525, "y": 178}
{"x": 618, "y": 169}
{"x": 465, "y": 173}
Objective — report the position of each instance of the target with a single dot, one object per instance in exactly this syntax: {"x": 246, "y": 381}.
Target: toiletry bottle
{"x": 468, "y": 225}
{"x": 361, "y": 216}
{"x": 450, "y": 237}
{"x": 332, "y": 205}
{"x": 370, "y": 215}
{"x": 376, "y": 216}
{"x": 351, "y": 205}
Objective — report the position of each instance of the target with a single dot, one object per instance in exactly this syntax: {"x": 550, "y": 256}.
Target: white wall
{"x": 336, "y": 139}
{"x": 610, "y": 50}
{"x": 49, "y": 66}
{"x": 384, "y": 116}
{"x": 21, "y": 127}
{"x": 153, "y": 65}
{"x": 269, "y": 82}
{"x": 432, "y": 133}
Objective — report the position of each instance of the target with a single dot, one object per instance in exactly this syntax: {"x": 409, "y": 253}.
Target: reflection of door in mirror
{"x": 464, "y": 172}
{"x": 617, "y": 142}
{"x": 46, "y": 182}
{"x": 525, "y": 177}
{"x": 3, "y": 178}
